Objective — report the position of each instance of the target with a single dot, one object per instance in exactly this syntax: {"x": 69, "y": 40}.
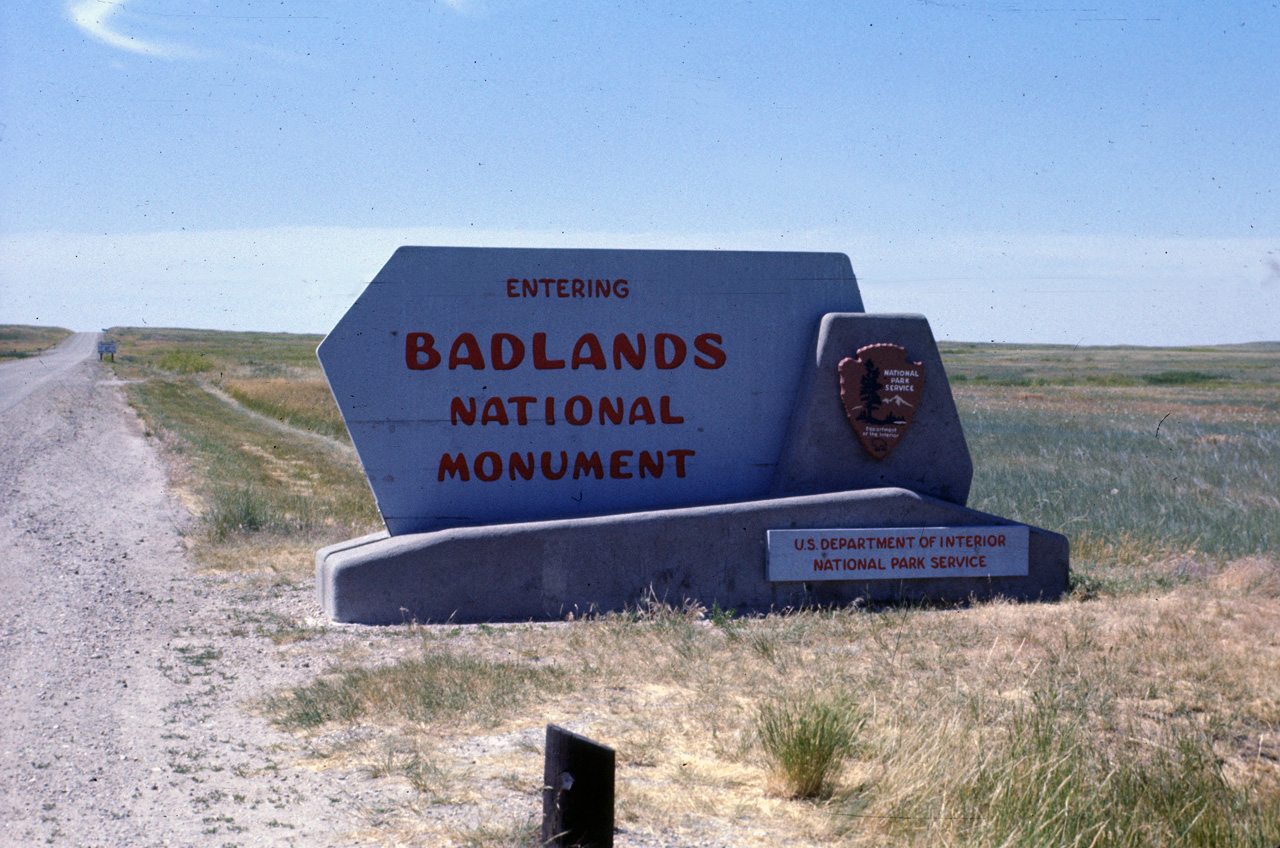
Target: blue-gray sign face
{"x": 484, "y": 386}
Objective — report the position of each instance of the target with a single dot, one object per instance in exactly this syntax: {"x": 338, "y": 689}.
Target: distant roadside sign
{"x": 107, "y": 349}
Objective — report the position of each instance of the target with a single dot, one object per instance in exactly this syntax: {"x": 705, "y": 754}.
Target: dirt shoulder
{"x": 127, "y": 679}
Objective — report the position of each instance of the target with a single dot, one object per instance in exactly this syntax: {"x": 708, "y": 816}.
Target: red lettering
{"x": 620, "y": 288}
{"x": 584, "y": 464}
{"x": 454, "y": 467}
{"x": 618, "y": 465}
{"x": 528, "y": 288}
{"x": 651, "y": 463}
{"x": 678, "y": 456}
{"x": 622, "y": 349}
{"x": 577, "y": 288}
{"x": 495, "y": 463}
{"x": 522, "y": 465}
{"x": 521, "y": 403}
{"x": 507, "y": 350}
{"x": 641, "y": 411}
{"x": 551, "y": 410}
{"x": 419, "y": 343}
{"x": 706, "y": 345}
{"x": 474, "y": 357}
{"x": 494, "y": 411}
{"x": 664, "y": 411}
{"x": 511, "y": 287}
{"x": 607, "y": 410}
{"x": 562, "y": 288}
{"x": 540, "y": 360}
{"x": 466, "y": 413}
{"x": 500, "y": 362}
{"x": 584, "y": 410}
{"x": 546, "y": 465}
{"x": 595, "y": 355}
{"x": 678, "y": 351}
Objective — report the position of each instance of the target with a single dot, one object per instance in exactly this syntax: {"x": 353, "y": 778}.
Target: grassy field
{"x": 257, "y": 447}
{"x": 1157, "y": 463}
{"x": 18, "y": 341}
{"x": 1142, "y": 710}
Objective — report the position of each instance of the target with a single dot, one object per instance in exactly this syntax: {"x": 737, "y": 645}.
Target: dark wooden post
{"x": 577, "y": 791}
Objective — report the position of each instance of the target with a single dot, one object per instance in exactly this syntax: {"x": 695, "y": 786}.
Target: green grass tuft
{"x": 807, "y": 740}
{"x": 247, "y": 509}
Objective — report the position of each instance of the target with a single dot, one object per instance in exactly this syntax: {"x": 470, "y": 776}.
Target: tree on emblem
{"x": 870, "y": 391}
{"x": 880, "y": 420}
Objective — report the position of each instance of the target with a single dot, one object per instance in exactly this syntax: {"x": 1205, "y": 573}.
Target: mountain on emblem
{"x": 880, "y": 390}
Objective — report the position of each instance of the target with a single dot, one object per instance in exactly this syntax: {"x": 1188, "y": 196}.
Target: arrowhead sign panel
{"x": 492, "y": 385}
{"x": 880, "y": 390}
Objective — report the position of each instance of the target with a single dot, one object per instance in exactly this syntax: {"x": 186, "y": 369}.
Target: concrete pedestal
{"x": 713, "y": 553}
{"x": 546, "y": 569}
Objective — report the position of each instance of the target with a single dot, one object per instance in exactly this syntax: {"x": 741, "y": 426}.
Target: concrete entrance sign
{"x": 488, "y": 386}
{"x": 550, "y": 430}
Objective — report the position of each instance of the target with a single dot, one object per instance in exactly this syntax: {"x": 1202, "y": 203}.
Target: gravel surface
{"x": 127, "y": 679}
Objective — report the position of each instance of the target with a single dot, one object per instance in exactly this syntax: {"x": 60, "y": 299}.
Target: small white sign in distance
{"x": 897, "y": 553}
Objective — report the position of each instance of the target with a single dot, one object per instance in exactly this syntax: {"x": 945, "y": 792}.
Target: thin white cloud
{"x": 95, "y": 19}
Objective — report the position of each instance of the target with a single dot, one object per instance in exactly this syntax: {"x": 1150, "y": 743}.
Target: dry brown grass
{"x": 1164, "y": 667}
{"x": 304, "y": 402}
{"x": 304, "y": 394}
{"x": 676, "y": 696}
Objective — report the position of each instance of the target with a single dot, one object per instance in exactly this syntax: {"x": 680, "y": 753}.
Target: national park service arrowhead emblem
{"x": 881, "y": 391}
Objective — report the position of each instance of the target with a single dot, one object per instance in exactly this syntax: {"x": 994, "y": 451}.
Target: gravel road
{"x": 125, "y": 676}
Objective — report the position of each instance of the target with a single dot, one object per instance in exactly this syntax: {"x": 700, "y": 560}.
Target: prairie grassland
{"x": 261, "y": 354}
{"x": 1153, "y": 477}
{"x": 304, "y": 402}
{"x": 1148, "y": 721}
{"x": 267, "y": 490}
{"x": 275, "y": 374}
{"x": 1012, "y": 365}
{"x": 1142, "y": 710}
{"x": 18, "y": 341}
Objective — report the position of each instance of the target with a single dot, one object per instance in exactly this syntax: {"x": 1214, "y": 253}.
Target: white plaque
{"x": 897, "y": 553}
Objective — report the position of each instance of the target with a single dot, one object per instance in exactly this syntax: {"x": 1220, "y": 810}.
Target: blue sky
{"x": 1101, "y": 173}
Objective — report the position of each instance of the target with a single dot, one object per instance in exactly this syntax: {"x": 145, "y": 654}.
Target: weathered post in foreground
{"x": 577, "y": 791}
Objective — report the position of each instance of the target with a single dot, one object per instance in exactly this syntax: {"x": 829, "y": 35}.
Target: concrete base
{"x": 546, "y": 569}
